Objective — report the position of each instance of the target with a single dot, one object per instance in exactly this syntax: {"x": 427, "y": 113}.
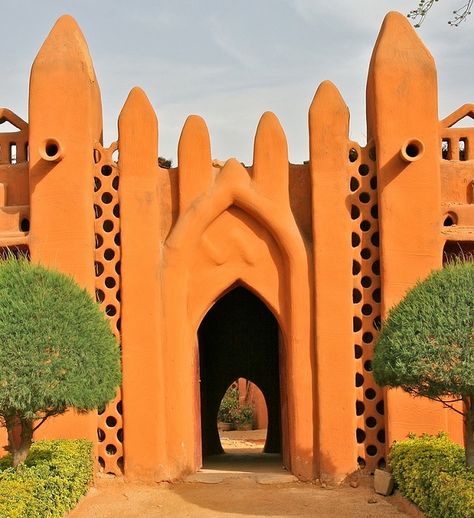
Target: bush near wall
{"x": 52, "y": 480}
{"x": 430, "y": 471}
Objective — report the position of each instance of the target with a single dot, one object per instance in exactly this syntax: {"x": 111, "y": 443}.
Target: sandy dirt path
{"x": 237, "y": 492}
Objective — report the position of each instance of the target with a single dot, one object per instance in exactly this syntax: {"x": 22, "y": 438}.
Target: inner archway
{"x": 239, "y": 338}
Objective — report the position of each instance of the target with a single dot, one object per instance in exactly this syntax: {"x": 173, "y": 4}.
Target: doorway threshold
{"x": 263, "y": 468}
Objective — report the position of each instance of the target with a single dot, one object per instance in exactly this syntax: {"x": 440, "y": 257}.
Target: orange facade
{"x": 275, "y": 272}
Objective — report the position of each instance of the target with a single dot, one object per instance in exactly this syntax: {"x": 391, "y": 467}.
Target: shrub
{"x": 57, "y": 350}
{"x": 229, "y": 403}
{"x": 430, "y": 471}
{"x": 49, "y": 483}
{"x": 426, "y": 345}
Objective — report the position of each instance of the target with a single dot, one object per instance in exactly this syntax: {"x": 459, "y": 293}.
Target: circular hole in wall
{"x": 376, "y": 267}
{"x": 366, "y": 309}
{"x": 110, "y": 310}
{"x": 364, "y": 169}
{"x": 353, "y": 155}
{"x": 367, "y": 337}
{"x": 374, "y": 211}
{"x": 117, "y": 267}
{"x": 361, "y": 462}
{"x": 365, "y": 225}
{"x": 372, "y": 154}
{"x": 120, "y": 435}
{"x": 99, "y": 269}
{"x": 360, "y": 435}
{"x": 108, "y": 225}
{"x": 52, "y": 148}
{"x": 116, "y": 210}
{"x": 356, "y": 324}
{"x": 376, "y": 295}
{"x": 354, "y": 184}
{"x": 381, "y": 436}
{"x": 99, "y": 295}
{"x": 355, "y": 212}
{"x": 117, "y": 239}
{"x": 370, "y": 393}
{"x": 115, "y": 183}
{"x": 97, "y": 211}
{"x": 359, "y": 379}
{"x": 111, "y": 421}
{"x": 106, "y": 197}
{"x": 100, "y": 435}
{"x": 381, "y": 464}
{"x": 371, "y": 450}
{"x": 109, "y": 254}
{"x": 368, "y": 365}
{"x": 97, "y": 184}
{"x": 355, "y": 267}
{"x": 110, "y": 282}
{"x": 355, "y": 239}
{"x": 365, "y": 253}
{"x": 366, "y": 281}
{"x": 357, "y": 351}
{"x": 106, "y": 170}
{"x": 380, "y": 407}
{"x": 371, "y": 422}
{"x": 118, "y": 406}
{"x": 101, "y": 462}
{"x": 99, "y": 240}
{"x": 360, "y": 407}
{"x": 375, "y": 239}
{"x": 356, "y": 296}
{"x": 377, "y": 323}
{"x": 373, "y": 182}
{"x": 111, "y": 449}
{"x": 364, "y": 197}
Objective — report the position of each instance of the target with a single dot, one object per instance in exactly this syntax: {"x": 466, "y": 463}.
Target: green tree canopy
{"x": 56, "y": 350}
{"x": 426, "y": 345}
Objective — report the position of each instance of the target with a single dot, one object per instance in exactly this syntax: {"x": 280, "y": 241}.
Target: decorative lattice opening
{"x": 107, "y": 290}
{"x": 369, "y": 406}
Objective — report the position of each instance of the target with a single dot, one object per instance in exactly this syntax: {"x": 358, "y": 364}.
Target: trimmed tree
{"x": 426, "y": 345}
{"x": 57, "y": 351}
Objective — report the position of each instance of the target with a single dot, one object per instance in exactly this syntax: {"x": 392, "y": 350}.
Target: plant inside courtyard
{"x": 426, "y": 345}
{"x": 57, "y": 351}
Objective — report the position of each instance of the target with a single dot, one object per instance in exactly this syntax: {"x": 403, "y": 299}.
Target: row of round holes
{"x": 109, "y": 283}
{"x": 367, "y": 309}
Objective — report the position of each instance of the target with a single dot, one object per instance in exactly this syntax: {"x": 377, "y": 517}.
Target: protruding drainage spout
{"x": 51, "y": 150}
{"x": 412, "y": 150}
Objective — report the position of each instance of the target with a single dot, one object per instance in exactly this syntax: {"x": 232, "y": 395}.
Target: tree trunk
{"x": 19, "y": 444}
{"x": 469, "y": 430}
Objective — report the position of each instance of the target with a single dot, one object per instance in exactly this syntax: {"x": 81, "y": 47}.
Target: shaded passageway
{"x": 238, "y": 338}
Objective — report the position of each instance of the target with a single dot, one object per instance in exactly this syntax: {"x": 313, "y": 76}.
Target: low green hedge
{"x": 51, "y": 481}
{"x": 430, "y": 471}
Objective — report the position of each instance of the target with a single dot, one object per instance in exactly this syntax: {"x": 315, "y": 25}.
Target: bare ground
{"x": 230, "y": 486}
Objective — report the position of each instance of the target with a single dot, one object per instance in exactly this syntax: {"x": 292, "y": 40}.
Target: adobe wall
{"x": 328, "y": 246}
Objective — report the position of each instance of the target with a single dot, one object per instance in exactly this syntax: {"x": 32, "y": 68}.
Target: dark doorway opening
{"x": 238, "y": 338}
{"x": 458, "y": 250}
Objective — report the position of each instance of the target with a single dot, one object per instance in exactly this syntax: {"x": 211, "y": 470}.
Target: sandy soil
{"x": 240, "y": 493}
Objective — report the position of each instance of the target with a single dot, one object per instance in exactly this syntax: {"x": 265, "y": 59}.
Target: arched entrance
{"x": 239, "y": 338}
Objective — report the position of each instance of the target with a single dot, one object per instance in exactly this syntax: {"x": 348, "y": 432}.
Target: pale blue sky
{"x": 229, "y": 61}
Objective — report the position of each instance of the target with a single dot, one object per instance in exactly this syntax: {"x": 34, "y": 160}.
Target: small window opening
{"x": 13, "y": 153}
{"x": 445, "y": 149}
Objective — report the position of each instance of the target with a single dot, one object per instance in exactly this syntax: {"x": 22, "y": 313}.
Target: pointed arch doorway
{"x": 239, "y": 338}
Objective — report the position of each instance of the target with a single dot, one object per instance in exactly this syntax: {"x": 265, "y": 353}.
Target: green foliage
{"x": 50, "y": 482}
{"x": 426, "y": 346}
{"x": 243, "y": 415}
{"x": 430, "y": 472}
{"x": 229, "y": 404}
{"x": 57, "y": 349}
